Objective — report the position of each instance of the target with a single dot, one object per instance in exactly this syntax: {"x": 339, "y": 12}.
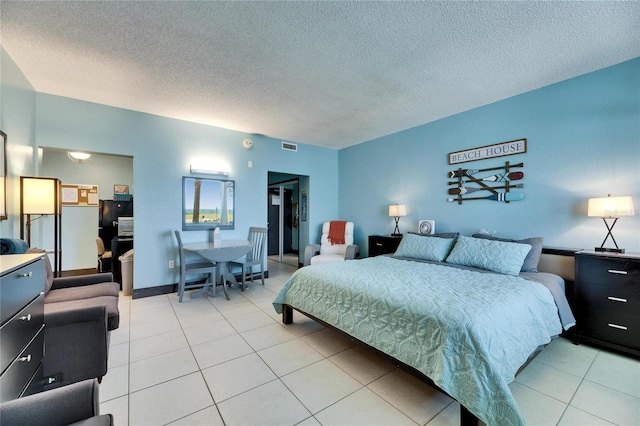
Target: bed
{"x": 467, "y": 328}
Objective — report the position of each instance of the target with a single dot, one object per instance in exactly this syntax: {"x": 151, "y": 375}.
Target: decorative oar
{"x": 469, "y": 172}
{"x": 500, "y": 177}
{"x": 501, "y": 196}
{"x": 466, "y": 190}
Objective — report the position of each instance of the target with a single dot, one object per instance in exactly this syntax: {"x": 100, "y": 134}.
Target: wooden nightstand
{"x": 607, "y": 300}
{"x": 383, "y": 244}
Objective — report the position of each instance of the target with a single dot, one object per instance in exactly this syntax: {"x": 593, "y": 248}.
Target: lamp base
{"x": 609, "y": 250}
{"x": 396, "y": 235}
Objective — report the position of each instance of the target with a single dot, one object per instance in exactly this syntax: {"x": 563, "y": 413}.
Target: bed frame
{"x": 466, "y": 417}
{"x": 555, "y": 260}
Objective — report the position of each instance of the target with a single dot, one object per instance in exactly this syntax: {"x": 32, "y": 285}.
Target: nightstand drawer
{"x": 383, "y": 244}
{"x": 603, "y": 270}
{"x": 609, "y": 298}
{"x": 611, "y": 327}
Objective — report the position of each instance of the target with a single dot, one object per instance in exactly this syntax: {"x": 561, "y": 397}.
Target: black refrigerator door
{"x": 109, "y": 213}
{"x": 112, "y": 210}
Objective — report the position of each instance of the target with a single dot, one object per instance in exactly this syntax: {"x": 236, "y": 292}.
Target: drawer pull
{"x": 617, "y": 299}
{"x": 27, "y": 275}
{"x": 25, "y": 317}
{"x": 25, "y": 358}
{"x": 619, "y": 327}
{"x": 615, "y": 271}
{"x": 379, "y": 244}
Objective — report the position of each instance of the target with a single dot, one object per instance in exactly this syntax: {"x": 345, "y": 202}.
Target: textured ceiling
{"x": 326, "y": 73}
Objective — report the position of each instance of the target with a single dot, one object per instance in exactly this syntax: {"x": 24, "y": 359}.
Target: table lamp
{"x": 397, "y": 210}
{"x": 610, "y": 208}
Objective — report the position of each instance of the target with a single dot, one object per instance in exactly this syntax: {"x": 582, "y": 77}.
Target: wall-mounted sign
{"x": 80, "y": 195}
{"x": 490, "y": 151}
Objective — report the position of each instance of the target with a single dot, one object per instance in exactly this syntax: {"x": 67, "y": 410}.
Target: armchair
{"x": 77, "y": 402}
{"x": 326, "y": 252}
{"x": 79, "y": 314}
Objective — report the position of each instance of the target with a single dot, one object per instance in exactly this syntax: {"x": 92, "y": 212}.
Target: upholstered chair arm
{"x": 80, "y": 280}
{"x": 59, "y": 315}
{"x": 76, "y": 343}
{"x": 353, "y": 252}
{"x": 57, "y": 407}
{"x": 309, "y": 251}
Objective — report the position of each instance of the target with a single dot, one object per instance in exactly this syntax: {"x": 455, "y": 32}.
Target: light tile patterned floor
{"x": 211, "y": 361}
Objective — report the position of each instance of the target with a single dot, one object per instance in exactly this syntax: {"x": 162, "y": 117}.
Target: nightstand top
{"x": 613, "y": 255}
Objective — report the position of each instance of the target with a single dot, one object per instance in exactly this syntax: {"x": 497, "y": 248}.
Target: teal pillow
{"x": 497, "y": 256}
{"x": 531, "y": 261}
{"x": 424, "y": 247}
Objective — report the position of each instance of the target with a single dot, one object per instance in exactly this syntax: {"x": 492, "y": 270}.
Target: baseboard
{"x": 139, "y": 293}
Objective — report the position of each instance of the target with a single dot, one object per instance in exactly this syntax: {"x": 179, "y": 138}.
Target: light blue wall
{"x": 583, "y": 141}
{"x": 162, "y": 150}
{"x": 17, "y": 120}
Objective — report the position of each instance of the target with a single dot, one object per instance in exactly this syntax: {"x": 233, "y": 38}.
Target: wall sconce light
{"x": 77, "y": 156}
{"x": 198, "y": 171}
{"x": 397, "y": 210}
{"x": 610, "y": 208}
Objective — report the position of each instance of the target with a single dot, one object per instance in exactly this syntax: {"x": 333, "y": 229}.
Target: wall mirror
{"x": 3, "y": 175}
{"x": 207, "y": 203}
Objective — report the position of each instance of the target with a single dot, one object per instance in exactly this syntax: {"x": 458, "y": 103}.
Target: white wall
{"x": 80, "y": 223}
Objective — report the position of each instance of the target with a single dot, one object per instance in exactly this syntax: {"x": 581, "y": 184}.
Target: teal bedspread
{"x": 467, "y": 331}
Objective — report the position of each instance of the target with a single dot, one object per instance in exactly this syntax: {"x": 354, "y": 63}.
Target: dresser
{"x": 22, "y": 331}
{"x": 383, "y": 244}
{"x": 607, "y": 299}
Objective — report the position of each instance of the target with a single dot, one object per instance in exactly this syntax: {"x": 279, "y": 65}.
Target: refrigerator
{"x": 108, "y": 214}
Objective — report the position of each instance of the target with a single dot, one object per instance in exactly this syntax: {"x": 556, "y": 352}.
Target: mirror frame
{"x": 189, "y": 181}
{"x": 3, "y": 175}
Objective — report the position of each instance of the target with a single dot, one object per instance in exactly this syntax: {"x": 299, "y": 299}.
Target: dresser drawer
{"x": 609, "y": 298}
{"x": 20, "y": 287}
{"x": 608, "y": 271}
{"x": 611, "y": 327}
{"x": 17, "y": 377}
{"x": 16, "y": 333}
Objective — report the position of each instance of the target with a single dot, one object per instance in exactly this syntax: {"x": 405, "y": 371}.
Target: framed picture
{"x": 3, "y": 175}
{"x": 120, "y": 189}
{"x": 303, "y": 205}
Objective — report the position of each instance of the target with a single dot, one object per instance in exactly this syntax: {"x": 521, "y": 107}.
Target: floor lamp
{"x": 40, "y": 196}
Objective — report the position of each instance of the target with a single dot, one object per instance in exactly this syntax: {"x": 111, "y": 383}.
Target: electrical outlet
{"x": 172, "y": 264}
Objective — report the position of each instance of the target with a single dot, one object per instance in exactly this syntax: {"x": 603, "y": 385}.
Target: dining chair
{"x": 201, "y": 267}
{"x": 103, "y": 255}
{"x": 255, "y": 257}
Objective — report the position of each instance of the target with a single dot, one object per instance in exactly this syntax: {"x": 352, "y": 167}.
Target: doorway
{"x": 286, "y": 230}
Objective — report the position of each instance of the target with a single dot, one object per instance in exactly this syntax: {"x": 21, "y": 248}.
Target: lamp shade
{"x": 396, "y": 210}
{"x": 610, "y": 207}
{"x": 39, "y": 196}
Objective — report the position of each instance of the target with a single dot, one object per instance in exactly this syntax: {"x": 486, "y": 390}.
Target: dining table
{"x": 220, "y": 252}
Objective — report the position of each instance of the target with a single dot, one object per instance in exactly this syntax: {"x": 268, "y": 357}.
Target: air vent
{"x": 288, "y": 146}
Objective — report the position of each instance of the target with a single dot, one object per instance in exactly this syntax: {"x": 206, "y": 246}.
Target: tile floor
{"x": 210, "y": 361}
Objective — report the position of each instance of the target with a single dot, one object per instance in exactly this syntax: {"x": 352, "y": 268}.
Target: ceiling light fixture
{"x": 78, "y": 157}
